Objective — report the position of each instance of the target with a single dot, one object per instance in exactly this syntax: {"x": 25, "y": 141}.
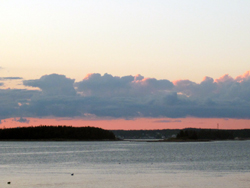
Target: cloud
{"x": 11, "y": 78}
{"x": 103, "y": 86}
{"x": 219, "y": 90}
{"x": 102, "y": 96}
{"x": 225, "y": 78}
{"x": 167, "y": 121}
{"x": 57, "y": 106}
{"x": 53, "y": 84}
{"x": 12, "y": 99}
{"x": 187, "y": 87}
{"x": 244, "y": 77}
{"x": 150, "y": 86}
{"x": 128, "y": 86}
{"x": 21, "y": 120}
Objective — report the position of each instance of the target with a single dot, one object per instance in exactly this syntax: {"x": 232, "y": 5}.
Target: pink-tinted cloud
{"x": 138, "y": 77}
{"x": 187, "y": 87}
{"x": 224, "y": 78}
{"x": 128, "y": 97}
{"x": 223, "y": 88}
{"x": 150, "y": 86}
{"x": 110, "y": 86}
{"x": 244, "y": 77}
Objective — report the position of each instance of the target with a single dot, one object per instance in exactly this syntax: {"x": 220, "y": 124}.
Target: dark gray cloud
{"x": 57, "y": 106}
{"x": 103, "y": 86}
{"x": 128, "y": 97}
{"x": 222, "y": 89}
{"x": 167, "y": 121}
{"x": 127, "y": 86}
{"x": 12, "y": 99}
{"x": 53, "y": 84}
{"x": 21, "y": 120}
{"x": 11, "y": 78}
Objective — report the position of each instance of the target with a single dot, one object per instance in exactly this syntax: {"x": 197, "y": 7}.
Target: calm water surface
{"x": 125, "y": 164}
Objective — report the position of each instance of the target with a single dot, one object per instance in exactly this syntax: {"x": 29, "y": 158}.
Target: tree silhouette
{"x": 60, "y": 132}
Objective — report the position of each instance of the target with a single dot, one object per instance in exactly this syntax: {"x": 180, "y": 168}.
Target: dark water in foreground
{"x": 125, "y": 164}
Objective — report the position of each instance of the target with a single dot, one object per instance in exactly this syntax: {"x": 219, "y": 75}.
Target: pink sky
{"x": 137, "y": 124}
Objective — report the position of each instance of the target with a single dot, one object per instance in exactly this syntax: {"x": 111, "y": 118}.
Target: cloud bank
{"x": 127, "y": 97}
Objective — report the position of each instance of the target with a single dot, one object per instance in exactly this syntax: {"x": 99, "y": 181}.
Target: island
{"x": 191, "y": 135}
{"x": 187, "y": 134}
{"x": 56, "y": 133}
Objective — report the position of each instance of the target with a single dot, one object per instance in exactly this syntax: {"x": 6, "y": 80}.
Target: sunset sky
{"x": 138, "y": 64}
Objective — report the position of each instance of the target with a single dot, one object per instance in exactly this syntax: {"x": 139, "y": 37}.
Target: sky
{"x": 137, "y": 64}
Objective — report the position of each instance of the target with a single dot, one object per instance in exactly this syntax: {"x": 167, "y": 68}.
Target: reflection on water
{"x": 125, "y": 164}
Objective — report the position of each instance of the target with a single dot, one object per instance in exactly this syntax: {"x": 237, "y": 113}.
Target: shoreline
{"x": 53, "y": 140}
{"x": 200, "y": 140}
{"x": 119, "y": 140}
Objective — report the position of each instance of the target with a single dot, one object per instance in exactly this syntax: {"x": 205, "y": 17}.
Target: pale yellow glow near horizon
{"x": 161, "y": 39}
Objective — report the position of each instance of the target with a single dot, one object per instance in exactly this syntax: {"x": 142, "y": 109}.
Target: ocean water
{"x": 125, "y": 164}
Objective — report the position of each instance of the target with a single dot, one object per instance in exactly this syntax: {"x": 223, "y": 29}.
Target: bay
{"x": 125, "y": 164}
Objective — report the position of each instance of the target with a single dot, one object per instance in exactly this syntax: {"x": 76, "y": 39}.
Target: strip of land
{"x": 69, "y": 133}
{"x": 56, "y": 133}
{"x": 180, "y": 135}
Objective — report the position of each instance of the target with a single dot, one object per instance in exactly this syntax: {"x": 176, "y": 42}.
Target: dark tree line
{"x": 44, "y": 132}
{"x": 145, "y": 134}
{"x": 213, "y": 134}
{"x": 187, "y": 134}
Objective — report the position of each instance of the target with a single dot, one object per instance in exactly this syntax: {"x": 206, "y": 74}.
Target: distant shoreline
{"x": 181, "y": 135}
{"x": 55, "y": 140}
{"x": 199, "y": 140}
{"x": 58, "y": 140}
{"x": 183, "y": 140}
{"x": 117, "y": 140}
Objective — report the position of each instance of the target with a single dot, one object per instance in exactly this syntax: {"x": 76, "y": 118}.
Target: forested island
{"x": 188, "y": 134}
{"x": 211, "y": 134}
{"x": 56, "y": 133}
